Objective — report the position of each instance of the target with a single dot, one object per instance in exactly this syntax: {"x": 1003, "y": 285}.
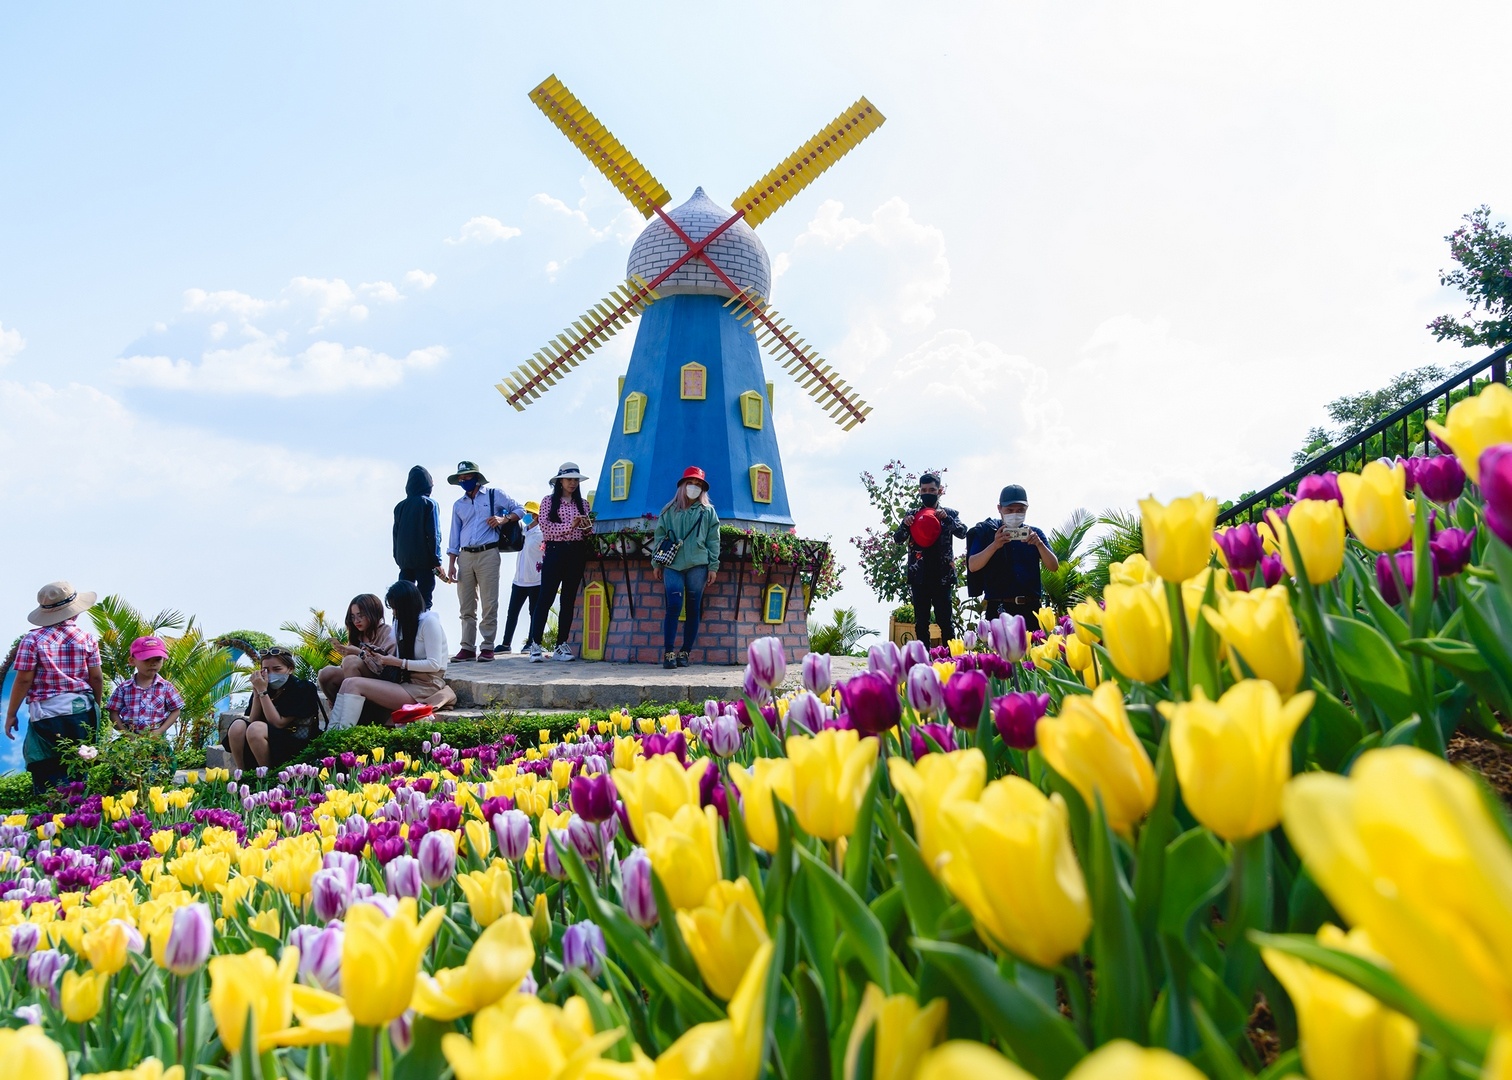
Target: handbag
{"x": 511, "y": 536}
{"x": 667, "y": 550}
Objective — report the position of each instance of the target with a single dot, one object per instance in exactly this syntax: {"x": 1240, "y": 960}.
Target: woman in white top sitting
{"x": 416, "y": 674}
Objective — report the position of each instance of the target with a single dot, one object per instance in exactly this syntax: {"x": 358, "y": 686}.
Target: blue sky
{"x": 257, "y": 260}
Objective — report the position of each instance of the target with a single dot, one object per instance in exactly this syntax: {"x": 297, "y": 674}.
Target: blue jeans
{"x": 680, "y": 582}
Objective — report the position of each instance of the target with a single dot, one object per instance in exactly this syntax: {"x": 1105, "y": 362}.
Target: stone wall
{"x": 732, "y": 613}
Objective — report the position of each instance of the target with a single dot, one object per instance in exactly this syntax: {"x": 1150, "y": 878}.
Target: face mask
{"x": 1014, "y": 520}
{"x": 692, "y": 491}
{"x": 469, "y": 486}
{"x": 276, "y": 680}
{"x": 929, "y": 498}
{"x": 529, "y": 520}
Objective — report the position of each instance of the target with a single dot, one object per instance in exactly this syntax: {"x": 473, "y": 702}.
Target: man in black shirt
{"x": 929, "y": 533}
{"x": 1004, "y": 558}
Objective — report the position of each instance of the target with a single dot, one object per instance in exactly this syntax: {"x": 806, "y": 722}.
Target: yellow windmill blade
{"x": 562, "y": 353}
{"x": 803, "y": 166}
{"x": 629, "y": 177}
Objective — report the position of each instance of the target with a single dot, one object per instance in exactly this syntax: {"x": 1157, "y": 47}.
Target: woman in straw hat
{"x": 565, "y": 526}
{"x": 58, "y": 675}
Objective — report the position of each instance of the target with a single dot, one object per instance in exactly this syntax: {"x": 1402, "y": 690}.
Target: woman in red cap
{"x": 685, "y": 551}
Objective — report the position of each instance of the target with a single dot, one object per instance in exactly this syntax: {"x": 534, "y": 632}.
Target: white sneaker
{"x": 563, "y": 652}
{"x": 537, "y": 654}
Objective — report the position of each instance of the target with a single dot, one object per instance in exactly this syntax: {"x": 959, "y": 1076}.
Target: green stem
{"x": 1179, "y": 642}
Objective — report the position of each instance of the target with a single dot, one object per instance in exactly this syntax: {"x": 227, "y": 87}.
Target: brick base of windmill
{"x": 622, "y": 604}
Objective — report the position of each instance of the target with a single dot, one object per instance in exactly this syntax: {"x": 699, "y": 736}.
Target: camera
{"x": 1019, "y": 533}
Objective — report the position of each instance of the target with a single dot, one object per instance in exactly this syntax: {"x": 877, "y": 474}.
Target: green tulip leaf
{"x": 861, "y": 925}
{"x": 1042, "y": 1040}
{"x": 1220, "y": 1060}
{"x": 1196, "y": 871}
{"x": 1122, "y": 1005}
{"x": 814, "y": 1024}
{"x": 924, "y": 899}
{"x": 815, "y": 922}
{"x": 1334, "y": 730}
{"x": 858, "y": 853}
{"x": 1366, "y": 656}
{"x": 677, "y": 949}
{"x": 1155, "y": 837}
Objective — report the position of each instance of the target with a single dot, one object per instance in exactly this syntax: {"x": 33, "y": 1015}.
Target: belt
{"x": 1019, "y": 600}
{"x": 484, "y": 547}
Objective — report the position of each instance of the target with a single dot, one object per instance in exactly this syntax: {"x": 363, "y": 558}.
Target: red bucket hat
{"x": 693, "y": 472}
{"x": 925, "y": 529}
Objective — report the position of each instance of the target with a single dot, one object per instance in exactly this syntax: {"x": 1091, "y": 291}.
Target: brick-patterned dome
{"x": 737, "y": 250}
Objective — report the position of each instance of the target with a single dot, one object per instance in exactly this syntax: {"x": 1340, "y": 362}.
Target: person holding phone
{"x": 930, "y": 531}
{"x": 281, "y": 718}
{"x": 368, "y": 637}
{"x": 566, "y": 524}
{"x": 1004, "y": 558}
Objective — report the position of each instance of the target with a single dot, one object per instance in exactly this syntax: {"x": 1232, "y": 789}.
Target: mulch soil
{"x": 1492, "y": 760}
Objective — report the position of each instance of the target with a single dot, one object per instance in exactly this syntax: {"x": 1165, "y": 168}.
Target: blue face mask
{"x": 469, "y": 485}
{"x": 529, "y": 520}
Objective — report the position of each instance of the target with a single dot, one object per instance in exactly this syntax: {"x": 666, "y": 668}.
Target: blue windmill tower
{"x": 695, "y": 392}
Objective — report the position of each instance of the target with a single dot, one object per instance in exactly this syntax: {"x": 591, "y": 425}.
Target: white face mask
{"x": 692, "y": 491}
{"x": 1014, "y": 520}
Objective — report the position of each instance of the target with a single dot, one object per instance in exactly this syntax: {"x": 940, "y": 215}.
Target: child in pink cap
{"x": 146, "y": 703}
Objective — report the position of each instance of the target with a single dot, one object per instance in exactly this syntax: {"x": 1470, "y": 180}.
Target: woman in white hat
{"x": 58, "y": 675}
{"x": 566, "y": 525}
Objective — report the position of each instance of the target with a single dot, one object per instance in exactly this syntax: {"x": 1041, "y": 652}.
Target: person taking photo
{"x": 930, "y": 533}
{"x": 1004, "y": 558}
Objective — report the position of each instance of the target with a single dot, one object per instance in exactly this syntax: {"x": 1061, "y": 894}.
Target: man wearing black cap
{"x": 930, "y": 533}
{"x": 1004, "y": 558}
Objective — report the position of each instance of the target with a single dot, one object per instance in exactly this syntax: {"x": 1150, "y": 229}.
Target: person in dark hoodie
{"x": 417, "y": 534}
{"x": 930, "y": 532}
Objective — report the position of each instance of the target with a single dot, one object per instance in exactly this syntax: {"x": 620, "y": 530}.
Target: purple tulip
{"x": 1387, "y": 582}
{"x": 402, "y": 875}
{"x": 1007, "y": 636}
{"x": 24, "y": 939}
{"x": 723, "y": 735}
{"x": 1017, "y": 715}
{"x": 387, "y": 848}
{"x": 556, "y": 842}
{"x": 635, "y": 889}
{"x": 965, "y": 697}
{"x": 592, "y": 797}
{"x": 329, "y": 894}
{"x": 808, "y": 712}
{"x": 914, "y": 654}
{"x": 925, "y": 691}
{"x": 585, "y": 837}
{"x": 29, "y": 1014}
{"x": 401, "y": 1032}
{"x": 438, "y": 858}
{"x": 443, "y": 815}
{"x": 583, "y": 947}
{"x": 1241, "y": 546}
{"x": 1272, "y": 570}
{"x": 1441, "y": 478}
{"x": 320, "y": 955}
{"x": 767, "y": 662}
{"x": 512, "y": 831}
{"x": 1452, "y": 549}
{"x": 886, "y": 659}
{"x": 816, "y": 672}
{"x": 871, "y": 702}
{"x": 1321, "y": 486}
{"x": 711, "y": 791}
{"x": 969, "y": 639}
{"x": 189, "y": 939}
{"x": 1496, "y": 486}
{"x": 43, "y": 969}
{"x": 385, "y": 903}
{"x": 674, "y": 743}
{"x": 943, "y": 737}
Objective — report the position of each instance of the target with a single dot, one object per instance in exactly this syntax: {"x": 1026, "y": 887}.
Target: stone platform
{"x": 513, "y": 683}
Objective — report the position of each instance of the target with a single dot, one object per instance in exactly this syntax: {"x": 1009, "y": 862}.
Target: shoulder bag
{"x": 667, "y": 550}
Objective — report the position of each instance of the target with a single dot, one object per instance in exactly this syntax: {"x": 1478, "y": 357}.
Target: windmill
{"x": 694, "y": 392}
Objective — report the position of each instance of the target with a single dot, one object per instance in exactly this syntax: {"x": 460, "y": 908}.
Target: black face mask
{"x": 929, "y": 498}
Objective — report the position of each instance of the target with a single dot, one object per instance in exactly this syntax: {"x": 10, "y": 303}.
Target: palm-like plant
{"x": 317, "y": 641}
{"x": 1124, "y": 536}
{"x": 118, "y": 624}
{"x": 840, "y": 636}
{"x": 1066, "y": 586}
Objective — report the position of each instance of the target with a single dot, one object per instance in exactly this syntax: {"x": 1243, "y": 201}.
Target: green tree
{"x": 1483, "y": 252}
{"x": 1123, "y": 536}
{"x": 1353, "y": 413}
{"x": 1067, "y": 585}
{"x": 841, "y": 636}
{"x": 315, "y": 645}
{"x": 882, "y": 560}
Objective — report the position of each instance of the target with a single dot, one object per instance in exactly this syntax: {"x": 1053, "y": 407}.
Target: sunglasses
{"x": 277, "y": 650}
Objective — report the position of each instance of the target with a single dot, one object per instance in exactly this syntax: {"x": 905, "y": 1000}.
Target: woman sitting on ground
{"x": 416, "y": 674}
{"x": 281, "y": 717}
{"x": 368, "y": 638}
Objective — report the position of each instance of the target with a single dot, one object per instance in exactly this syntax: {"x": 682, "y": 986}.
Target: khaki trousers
{"x": 478, "y": 576}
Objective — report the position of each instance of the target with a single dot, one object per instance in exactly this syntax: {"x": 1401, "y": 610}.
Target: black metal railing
{"x": 1404, "y": 432}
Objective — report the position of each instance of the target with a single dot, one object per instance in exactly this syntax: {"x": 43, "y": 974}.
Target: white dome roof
{"x": 737, "y": 251}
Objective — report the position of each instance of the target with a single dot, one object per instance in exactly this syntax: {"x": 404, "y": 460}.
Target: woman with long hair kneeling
{"x": 416, "y": 674}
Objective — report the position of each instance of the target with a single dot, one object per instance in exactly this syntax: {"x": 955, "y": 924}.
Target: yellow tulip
{"x": 1233, "y": 755}
{"x": 1093, "y": 745}
{"x": 109, "y": 947}
{"x": 1476, "y": 423}
{"x": 497, "y": 964}
{"x": 1259, "y": 625}
{"x": 243, "y": 983}
{"x": 1009, "y": 861}
{"x": 723, "y": 934}
{"x": 1122, "y": 1060}
{"x": 479, "y": 838}
{"x": 267, "y": 922}
{"x": 1498, "y": 1064}
{"x": 1317, "y": 525}
{"x": 929, "y": 786}
{"x": 831, "y": 773}
{"x": 1083, "y": 616}
{"x": 490, "y": 892}
{"x": 767, "y": 779}
{"x": 1137, "y": 631}
{"x": 30, "y": 1053}
{"x": 684, "y": 851}
{"x": 1048, "y": 619}
{"x": 902, "y": 1031}
{"x": 1376, "y": 506}
{"x": 965, "y": 1058}
{"x": 379, "y": 958}
{"x": 1078, "y": 654}
{"x": 323, "y": 1018}
{"x": 82, "y": 995}
{"x": 1135, "y": 570}
{"x": 658, "y": 785}
{"x": 149, "y": 1069}
{"x": 727, "y": 1049}
{"x": 1405, "y": 849}
{"x": 1344, "y": 1031}
{"x": 523, "y": 1038}
{"x": 1178, "y": 536}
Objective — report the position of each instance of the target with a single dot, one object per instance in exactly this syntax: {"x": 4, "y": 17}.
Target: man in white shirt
{"x": 527, "y": 577}
{"x": 472, "y": 554}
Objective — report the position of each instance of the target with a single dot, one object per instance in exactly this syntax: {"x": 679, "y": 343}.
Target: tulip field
{"x": 1203, "y": 828}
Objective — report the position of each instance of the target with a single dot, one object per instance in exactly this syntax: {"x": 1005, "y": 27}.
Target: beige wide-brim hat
{"x": 59, "y": 602}
{"x": 568, "y": 471}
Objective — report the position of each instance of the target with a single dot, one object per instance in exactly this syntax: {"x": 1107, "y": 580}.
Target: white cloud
{"x": 261, "y": 366}
{"x": 383, "y": 292}
{"x": 482, "y": 230}
{"x": 239, "y": 304}
{"x": 333, "y": 298}
{"x": 420, "y": 279}
{"x": 11, "y": 344}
